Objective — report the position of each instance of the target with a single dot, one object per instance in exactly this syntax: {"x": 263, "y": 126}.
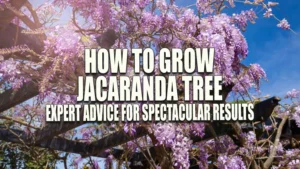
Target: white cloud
{"x": 281, "y": 60}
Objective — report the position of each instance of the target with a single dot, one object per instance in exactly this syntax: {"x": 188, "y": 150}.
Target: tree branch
{"x": 11, "y": 98}
{"x": 277, "y": 139}
{"x": 31, "y": 41}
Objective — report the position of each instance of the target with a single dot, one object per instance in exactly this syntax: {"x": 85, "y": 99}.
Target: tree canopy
{"x": 41, "y": 58}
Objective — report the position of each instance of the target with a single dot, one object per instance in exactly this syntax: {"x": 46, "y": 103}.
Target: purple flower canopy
{"x": 156, "y": 25}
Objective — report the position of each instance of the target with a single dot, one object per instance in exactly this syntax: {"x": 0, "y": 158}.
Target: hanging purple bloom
{"x": 284, "y": 24}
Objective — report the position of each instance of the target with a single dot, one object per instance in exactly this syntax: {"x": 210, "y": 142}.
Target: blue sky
{"x": 276, "y": 50}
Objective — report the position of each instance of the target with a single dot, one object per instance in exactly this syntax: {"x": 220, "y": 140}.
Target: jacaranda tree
{"x": 42, "y": 54}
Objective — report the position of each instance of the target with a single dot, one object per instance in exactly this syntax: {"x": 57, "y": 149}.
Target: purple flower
{"x": 268, "y": 127}
{"x": 241, "y": 19}
{"x": 165, "y": 133}
{"x": 95, "y": 165}
{"x": 231, "y": 2}
{"x": 77, "y": 161}
{"x": 108, "y": 161}
{"x": 292, "y": 94}
{"x": 2, "y": 3}
{"x": 270, "y": 4}
{"x": 180, "y": 149}
{"x": 203, "y": 156}
{"x": 284, "y": 24}
{"x": 258, "y": 1}
{"x": 162, "y": 5}
{"x": 198, "y": 129}
{"x": 172, "y": 136}
{"x": 64, "y": 41}
{"x": 296, "y": 115}
{"x": 224, "y": 145}
{"x": 250, "y": 79}
{"x": 204, "y": 6}
{"x": 129, "y": 128}
{"x": 268, "y": 13}
{"x": 10, "y": 71}
{"x": 279, "y": 149}
{"x": 234, "y": 162}
{"x": 294, "y": 164}
{"x": 251, "y": 137}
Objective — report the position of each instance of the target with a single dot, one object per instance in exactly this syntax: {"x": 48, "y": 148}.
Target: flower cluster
{"x": 284, "y": 24}
{"x": 64, "y": 41}
{"x": 10, "y": 71}
{"x": 234, "y": 162}
{"x": 172, "y": 136}
{"x": 2, "y": 3}
{"x": 198, "y": 129}
{"x": 204, "y": 6}
{"x": 292, "y": 94}
{"x": 251, "y": 78}
{"x": 296, "y": 115}
{"x": 241, "y": 19}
